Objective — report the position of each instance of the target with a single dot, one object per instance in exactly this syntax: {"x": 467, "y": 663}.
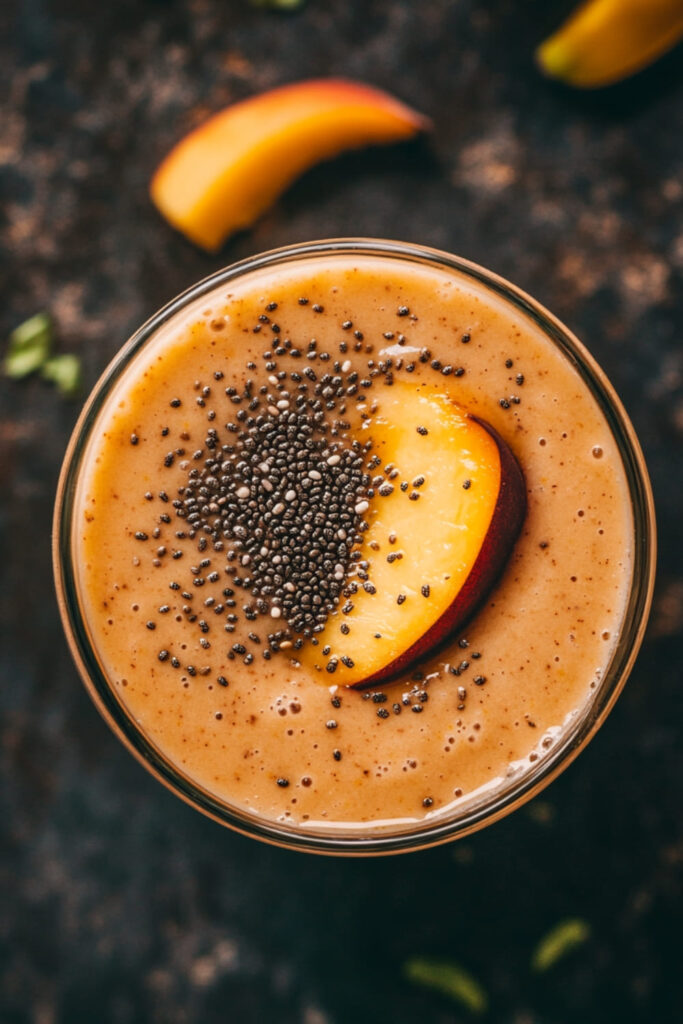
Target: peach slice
{"x": 223, "y": 175}
{"x": 432, "y": 559}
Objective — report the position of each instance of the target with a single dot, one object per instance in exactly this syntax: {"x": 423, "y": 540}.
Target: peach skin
{"x": 223, "y": 175}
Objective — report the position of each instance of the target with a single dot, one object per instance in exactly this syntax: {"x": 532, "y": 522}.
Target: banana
{"x": 607, "y": 40}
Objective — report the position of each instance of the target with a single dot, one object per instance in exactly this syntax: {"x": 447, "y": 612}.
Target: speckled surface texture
{"x": 122, "y": 905}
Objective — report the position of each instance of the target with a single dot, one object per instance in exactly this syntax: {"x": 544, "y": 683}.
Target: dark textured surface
{"x": 119, "y": 903}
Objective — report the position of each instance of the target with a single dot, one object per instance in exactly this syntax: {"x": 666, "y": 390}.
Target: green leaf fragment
{"x": 449, "y": 979}
{"x": 29, "y": 351}
{"x": 20, "y": 364}
{"x": 559, "y": 942}
{"x": 64, "y": 371}
{"x": 29, "y": 346}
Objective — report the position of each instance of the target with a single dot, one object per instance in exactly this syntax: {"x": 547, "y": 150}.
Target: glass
{"x": 510, "y": 794}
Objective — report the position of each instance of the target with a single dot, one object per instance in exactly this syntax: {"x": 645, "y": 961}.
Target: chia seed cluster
{"x": 285, "y": 505}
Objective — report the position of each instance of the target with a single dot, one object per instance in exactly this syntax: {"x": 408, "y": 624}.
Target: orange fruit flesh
{"x": 223, "y": 175}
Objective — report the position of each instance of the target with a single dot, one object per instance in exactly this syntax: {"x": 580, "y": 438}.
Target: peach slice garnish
{"x": 432, "y": 560}
{"x": 224, "y": 174}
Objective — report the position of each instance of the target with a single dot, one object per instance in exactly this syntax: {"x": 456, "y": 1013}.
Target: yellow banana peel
{"x": 607, "y": 40}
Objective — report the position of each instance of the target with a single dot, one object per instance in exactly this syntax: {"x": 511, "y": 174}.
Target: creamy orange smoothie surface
{"x": 257, "y": 726}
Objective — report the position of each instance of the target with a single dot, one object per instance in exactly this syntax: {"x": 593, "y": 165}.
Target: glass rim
{"x": 521, "y": 787}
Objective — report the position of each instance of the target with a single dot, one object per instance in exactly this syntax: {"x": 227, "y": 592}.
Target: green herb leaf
{"x": 29, "y": 346}
{"x": 559, "y": 942}
{"x": 448, "y": 978}
{"x": 65, "y": 372}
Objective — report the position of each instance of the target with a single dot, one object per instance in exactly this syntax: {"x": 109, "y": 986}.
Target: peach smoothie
{"x": 353, "y": 543}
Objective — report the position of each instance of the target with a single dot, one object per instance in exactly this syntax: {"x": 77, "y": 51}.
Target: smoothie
{"x": 234, "y": 554}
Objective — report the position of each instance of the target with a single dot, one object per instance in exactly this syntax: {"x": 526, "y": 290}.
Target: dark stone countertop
{"x": 119, "y": 903}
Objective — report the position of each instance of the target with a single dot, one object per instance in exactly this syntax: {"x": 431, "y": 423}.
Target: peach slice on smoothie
{"x": 222, "y": 176}
{"x": 432, "y": 549}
